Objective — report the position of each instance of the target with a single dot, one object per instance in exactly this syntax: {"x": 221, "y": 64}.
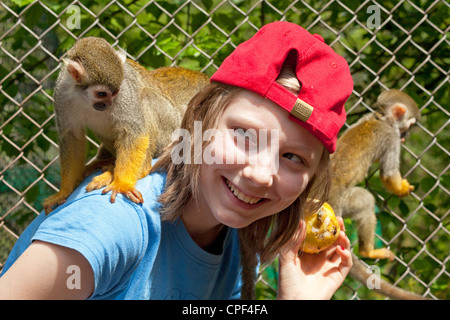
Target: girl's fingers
{"x": 343, "y": 250}
{"x": 346, "y": 260}
{"x": 341, "y": 223}
{"x": 343, "y": 240}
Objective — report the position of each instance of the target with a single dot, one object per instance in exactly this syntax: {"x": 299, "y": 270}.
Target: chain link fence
{"x": 389, "y": 44}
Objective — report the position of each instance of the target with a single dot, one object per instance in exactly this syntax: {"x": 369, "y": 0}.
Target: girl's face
{"x": 257, "y": 164}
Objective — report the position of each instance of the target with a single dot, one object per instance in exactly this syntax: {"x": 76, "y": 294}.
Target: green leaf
{"x": 445, "y": 180}
{"x": 403, "y": 208}
{"x": 427, "y": 183}
{"x": 22, "y": 3}
{"x": 32, "y": 194}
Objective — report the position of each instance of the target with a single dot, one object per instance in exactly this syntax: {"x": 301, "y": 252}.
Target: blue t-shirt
{"x": 135, "y": 255}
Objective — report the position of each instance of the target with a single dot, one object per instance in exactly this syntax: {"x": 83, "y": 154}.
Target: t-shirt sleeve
{"x": 110, "y": 236}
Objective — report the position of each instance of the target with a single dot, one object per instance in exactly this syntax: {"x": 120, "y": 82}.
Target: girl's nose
{"x": 259, "y": 174}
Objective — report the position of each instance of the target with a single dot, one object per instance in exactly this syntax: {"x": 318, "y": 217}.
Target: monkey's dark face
{"x": 101, "y": 96}
{"x": 403, "y": 135}
{"x": 406, "y": 127}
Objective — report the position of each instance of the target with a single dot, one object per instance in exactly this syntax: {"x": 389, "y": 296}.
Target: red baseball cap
{"x": 325, "y": 78}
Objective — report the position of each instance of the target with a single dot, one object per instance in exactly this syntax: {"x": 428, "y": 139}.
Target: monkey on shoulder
{"x": 131, "y": 110}
{"x": 375, "y": 137}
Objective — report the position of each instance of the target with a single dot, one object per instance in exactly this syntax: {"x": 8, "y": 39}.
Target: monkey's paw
{"x": 128, "y": 191}
{"x": 100, "y": 181}
{"x": 405, "y": 189}
{"x": 54, "y": 200}
{"x": 378, "y": 254}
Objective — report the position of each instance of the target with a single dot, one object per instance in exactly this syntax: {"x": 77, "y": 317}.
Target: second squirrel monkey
{"x": 375, "y": 137}
{"x": 131, "y": 110}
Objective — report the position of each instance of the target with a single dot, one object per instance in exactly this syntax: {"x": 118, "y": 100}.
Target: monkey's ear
{"x": 122, "y": 54}
{"x": 398, "y": 111}
{"x": 76, "y": 69}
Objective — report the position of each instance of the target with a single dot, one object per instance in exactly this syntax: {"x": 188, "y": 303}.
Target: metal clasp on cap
{"x": 302, "y": 110}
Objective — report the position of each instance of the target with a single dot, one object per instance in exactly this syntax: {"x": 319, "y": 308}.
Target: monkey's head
{"x": 399, "y": 109}
{"x": 97, "y": 70}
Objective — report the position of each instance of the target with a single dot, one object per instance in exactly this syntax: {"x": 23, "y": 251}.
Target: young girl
{"x": 211, "y": 218}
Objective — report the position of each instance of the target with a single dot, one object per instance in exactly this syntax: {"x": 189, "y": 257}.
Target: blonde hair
{"x": 262, "y": 239}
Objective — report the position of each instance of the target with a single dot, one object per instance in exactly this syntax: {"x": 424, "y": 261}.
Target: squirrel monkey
{"x": 131, "y": 110}
{"x": 375, "y": 137}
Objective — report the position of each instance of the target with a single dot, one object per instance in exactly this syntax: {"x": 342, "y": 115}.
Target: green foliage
{"x": 408, "y": 52}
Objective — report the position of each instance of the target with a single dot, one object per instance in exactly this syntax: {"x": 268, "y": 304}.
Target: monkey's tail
{"x": 359, "y": 272}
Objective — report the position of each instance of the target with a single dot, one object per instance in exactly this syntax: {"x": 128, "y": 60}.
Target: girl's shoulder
{"x": 90, "y": 224}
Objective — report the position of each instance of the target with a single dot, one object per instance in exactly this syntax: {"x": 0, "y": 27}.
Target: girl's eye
{"x": 294, "y": 157}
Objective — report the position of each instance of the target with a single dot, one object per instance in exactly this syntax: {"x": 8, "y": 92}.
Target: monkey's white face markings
{"x": 101, "y": 97}
{"x": 237, "y": 194}
{"x": 404, "y": 131}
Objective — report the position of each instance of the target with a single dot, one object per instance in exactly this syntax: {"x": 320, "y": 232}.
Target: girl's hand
{"x": 313, "y": 276}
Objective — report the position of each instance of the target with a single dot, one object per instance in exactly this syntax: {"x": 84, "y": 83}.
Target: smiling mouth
{"x": 242, "y": 196}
